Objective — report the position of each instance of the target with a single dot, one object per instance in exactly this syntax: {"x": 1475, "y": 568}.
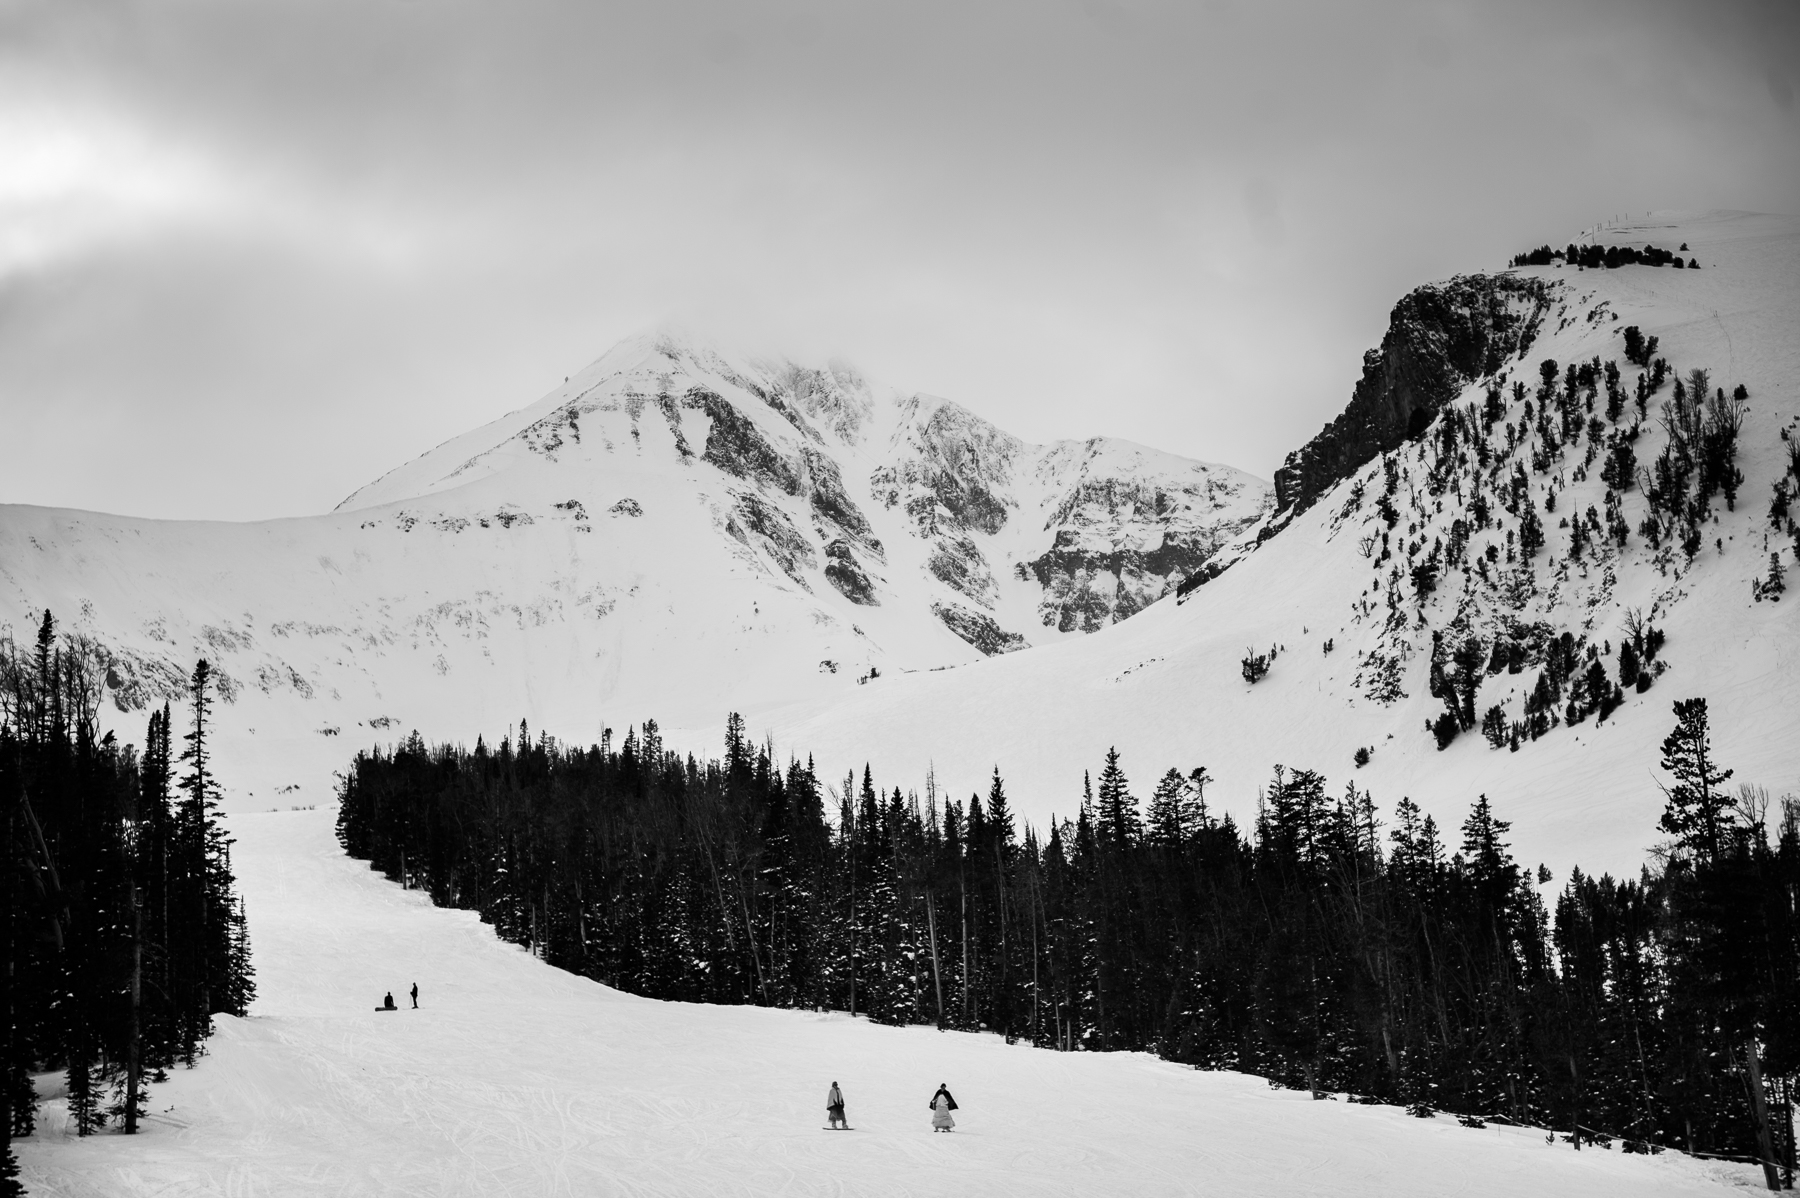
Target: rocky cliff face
{"x": 1022, "y": 542}
{"x": 1096, "y": 529}
{"x": 1127, "y": 525}
{"x": 950, "y": 473}
{"x": 1440, "y": 338}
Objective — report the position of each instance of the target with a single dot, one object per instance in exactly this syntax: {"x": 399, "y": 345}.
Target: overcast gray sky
{"x": 252, "y": 255}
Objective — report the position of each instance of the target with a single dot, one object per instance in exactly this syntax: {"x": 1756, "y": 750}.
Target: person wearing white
{"x": 941, "y": 1106}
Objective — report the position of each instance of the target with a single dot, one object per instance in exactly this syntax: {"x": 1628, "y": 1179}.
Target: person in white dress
{"x": 941, "y": 1106}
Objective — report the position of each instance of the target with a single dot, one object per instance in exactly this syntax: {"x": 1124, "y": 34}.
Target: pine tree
{"x": 194, "y": 822}
{"x": 85, "y": 1110}
{"x": 1000, "y": 820}
{"x": 1167, "y": 822}
{"x": 1697, "y": 812}
{"x": 1117, "y": 810}
{"x": 1195, "y": 815}
{"x": 1490, "y": 864}
{"x": 1531, "y": 532}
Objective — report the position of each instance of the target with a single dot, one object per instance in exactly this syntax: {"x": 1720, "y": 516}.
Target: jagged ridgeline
{"x": 1320, "y": 947}
{"x": 125, "y": 933}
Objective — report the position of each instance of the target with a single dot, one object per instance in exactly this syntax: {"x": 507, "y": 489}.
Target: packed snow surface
{"x": 514, "y": 1078}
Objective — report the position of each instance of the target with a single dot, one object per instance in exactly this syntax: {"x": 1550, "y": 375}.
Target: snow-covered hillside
{"x": 670, "y": 535}
{"x": 514, "y": 1078}
{"x": 674, "y": 535}
{"x": 1168, "y": 688}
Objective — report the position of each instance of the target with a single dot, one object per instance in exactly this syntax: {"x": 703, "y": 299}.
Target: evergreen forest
{"x": 1325, "y": 947}
{"x": 124, "y": 935}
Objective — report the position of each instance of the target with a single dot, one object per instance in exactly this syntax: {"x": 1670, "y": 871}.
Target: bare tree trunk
{"x": 581, "y": 919}
{"x": 853, "y": 915}
{"x": 968, "y": 998}
{"x": 134, "y": 1059}
{"x": 1575, "y": 1119}
{"x": 937, "y": 980}
{"x": 1788, "y": 1132}
{"x": 1036, "y": 1007}
{"x": 53, "y": 893}
{"x": 762, "y": 982}
{"x": 1759, "y": 1110}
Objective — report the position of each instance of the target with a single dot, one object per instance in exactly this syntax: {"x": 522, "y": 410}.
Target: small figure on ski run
{"x": 941, "y": 1106}
{"x": 387, "y": 1004}
{"x": 415, "y": 996}
{"x": 834, "y": 1107}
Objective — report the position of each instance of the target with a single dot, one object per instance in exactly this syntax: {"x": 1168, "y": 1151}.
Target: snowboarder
{"x": 415, "y": 996}
{"x": 941, "y": 1106}
{"x": 387, "y": 1004}
{"x": 834, "y": 1107}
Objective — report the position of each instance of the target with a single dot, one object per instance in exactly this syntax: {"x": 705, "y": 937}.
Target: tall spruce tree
{"x": 1116, "y": 810}
{"x": 1698, "y": 810}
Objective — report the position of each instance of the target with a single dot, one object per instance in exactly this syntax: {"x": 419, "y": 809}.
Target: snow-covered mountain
{"x": 676, "y": 534}
{"x": 672, "y": 534}
{"x": 1398, "y": 545}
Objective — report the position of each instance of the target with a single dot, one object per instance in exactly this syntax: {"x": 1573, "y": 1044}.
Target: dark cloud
{"x": 254, "y": 254}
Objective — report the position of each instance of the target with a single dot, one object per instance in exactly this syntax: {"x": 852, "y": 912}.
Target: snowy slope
{"x": 670, "y": 535}
{"x": 517, "y": 1079}
{"x": 1166, "y": 686}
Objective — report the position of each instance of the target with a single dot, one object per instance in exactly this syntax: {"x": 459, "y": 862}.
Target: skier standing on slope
{"x": 415, "y": 996}
{"x": 834, "y": 1107}
{"x": 941, "y": 1106}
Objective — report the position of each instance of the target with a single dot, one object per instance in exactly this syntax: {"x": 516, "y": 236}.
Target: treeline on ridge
{"x": 124, "y": 934}
{"x": 1317, "y": 948}
{"x": 1610, "y": 256}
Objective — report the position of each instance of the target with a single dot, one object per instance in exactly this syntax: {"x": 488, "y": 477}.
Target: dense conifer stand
{"x": 124, "y": 933}
{"x": 1321, "y": 947}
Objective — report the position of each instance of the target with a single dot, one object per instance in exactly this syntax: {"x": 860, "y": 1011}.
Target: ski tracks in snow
{"x": 515, "y": 1079}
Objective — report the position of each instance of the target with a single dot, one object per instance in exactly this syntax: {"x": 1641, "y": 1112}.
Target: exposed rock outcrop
{"x": 847, "y": 575}
{"x": 834, "y": 510}
{"x": 778, "y": 537}
{"x": 959, "y": 565}
{"x": 977, "y": 628}
{"x": 736, "y": 446}
{"x": 1440, "y": 337}
{"x": 954, "y": 472}
{"x": 1129, "y": 524}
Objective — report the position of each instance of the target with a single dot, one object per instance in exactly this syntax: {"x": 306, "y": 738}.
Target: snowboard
{"x": 837, "y": 1129}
